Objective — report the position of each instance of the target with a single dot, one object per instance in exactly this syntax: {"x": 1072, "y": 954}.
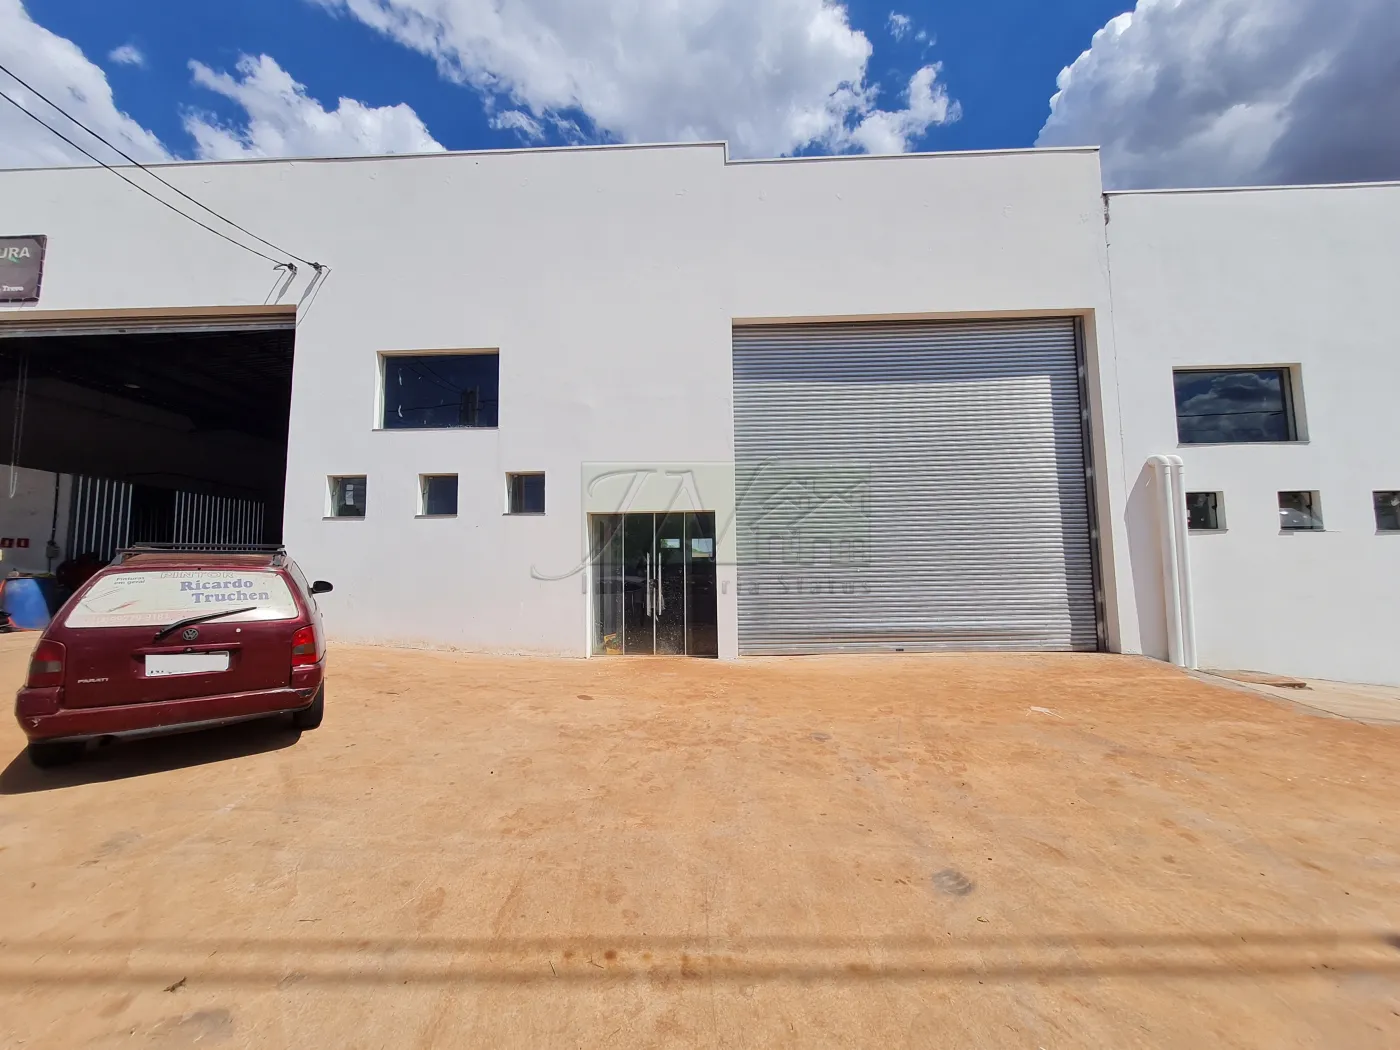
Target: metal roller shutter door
{"x": 23, "y": 324}
{"x": 912, "y": 486}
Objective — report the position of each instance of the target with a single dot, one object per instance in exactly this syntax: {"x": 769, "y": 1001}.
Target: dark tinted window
{"x": 1299, "y": 512}
{"x": 1203, "y": 511}
{"x": 348, "y": 497}
{"x": 526, "y": 493}
{"x": 440, "y": 494}
{"x": 1242, "y": 406}
{"x": 1387, "y": 511}
{"x": 441, "y": 390}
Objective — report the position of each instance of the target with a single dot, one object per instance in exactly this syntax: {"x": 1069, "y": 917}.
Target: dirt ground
{"x": 958, "y": 852}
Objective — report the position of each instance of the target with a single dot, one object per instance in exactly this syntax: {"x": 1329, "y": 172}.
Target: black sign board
{"x": 21, "y": 268}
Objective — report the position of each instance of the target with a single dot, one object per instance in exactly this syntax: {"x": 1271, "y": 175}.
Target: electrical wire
{"x": 322, "y": 275}
{"x": 281, "y": 284}
{"x": 222, "y": 218}
{"x": 17, "y": 433}
{"x": 137, "y": 185}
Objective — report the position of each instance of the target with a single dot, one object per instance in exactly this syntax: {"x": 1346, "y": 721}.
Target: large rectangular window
{"x": 151, "y": 598}
{"x": 1234, "y": 407}
{"x": 427, "y": 391}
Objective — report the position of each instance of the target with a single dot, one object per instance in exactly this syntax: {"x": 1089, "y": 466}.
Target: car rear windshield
{"x": 158, "y": 598}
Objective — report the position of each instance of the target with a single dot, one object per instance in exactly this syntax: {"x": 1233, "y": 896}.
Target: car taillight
{"x": 46, "y": 665}
{"x": 304, "y": 647}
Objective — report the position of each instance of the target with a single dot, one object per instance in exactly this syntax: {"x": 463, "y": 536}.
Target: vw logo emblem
{"x": 189, "y": 634}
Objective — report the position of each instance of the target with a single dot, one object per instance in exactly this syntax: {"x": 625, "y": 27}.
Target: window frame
{"x": 423, "y": 480}
{"x": 1314, "y": 510}
{"x": 1219, "y": 510}
{"x": 381, "y": 386}
{"x": 1290, "y": 387}
{"x": 332, "y": 493}
{"x": 1376, "y": 495}
{"x": 510, "y": 503}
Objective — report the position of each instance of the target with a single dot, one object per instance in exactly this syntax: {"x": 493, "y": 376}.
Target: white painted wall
{"x": 1299, "y": 277}
{"x": 609, "y": 280}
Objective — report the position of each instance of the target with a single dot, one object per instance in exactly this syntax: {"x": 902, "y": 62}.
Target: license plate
{"x": 158, "y": 666}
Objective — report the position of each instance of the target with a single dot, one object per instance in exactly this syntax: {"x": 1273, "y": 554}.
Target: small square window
{"x": 348, "y": 497}
{"x": 1234, "y": 407}
{"x": 1205, "y": 511}
{"x": 525, "y": 493}
{"x": 1387, "y": 511}
{"x": 439, "y": 495}
{"x": 1299, "y": 512}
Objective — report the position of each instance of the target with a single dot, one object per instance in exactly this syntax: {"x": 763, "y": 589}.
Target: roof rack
{"x": 277, "y": 550}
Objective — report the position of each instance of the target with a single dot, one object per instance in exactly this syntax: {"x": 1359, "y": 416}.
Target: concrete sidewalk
{"x": 1377, "y": 705}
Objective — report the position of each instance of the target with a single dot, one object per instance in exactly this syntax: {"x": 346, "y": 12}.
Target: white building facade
{"x": 841, "y": 404}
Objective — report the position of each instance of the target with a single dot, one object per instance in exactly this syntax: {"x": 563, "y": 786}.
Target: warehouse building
{"x": 648, "y": 400}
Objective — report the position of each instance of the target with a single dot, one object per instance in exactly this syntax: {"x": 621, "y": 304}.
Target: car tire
{"x": 310, "y": 717}
{"x": 46, "y": 754}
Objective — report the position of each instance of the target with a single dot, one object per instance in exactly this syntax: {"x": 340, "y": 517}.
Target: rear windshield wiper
{"x": 191, "y": 620}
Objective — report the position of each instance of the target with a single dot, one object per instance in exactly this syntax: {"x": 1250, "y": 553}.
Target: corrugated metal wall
{"x": 217, "y": 519}
{"x": 101, "y": 519}
{"x": 914, "y": 486}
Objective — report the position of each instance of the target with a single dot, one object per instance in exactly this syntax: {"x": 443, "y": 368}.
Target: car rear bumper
{"x": 41, "y": 717}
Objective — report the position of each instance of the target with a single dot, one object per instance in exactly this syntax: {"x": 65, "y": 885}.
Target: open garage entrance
{"x": 120, "y": 431}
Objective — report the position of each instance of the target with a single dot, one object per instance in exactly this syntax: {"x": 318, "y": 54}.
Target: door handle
{"x": 648, "y": 584}
{"x": 660, "y": 597}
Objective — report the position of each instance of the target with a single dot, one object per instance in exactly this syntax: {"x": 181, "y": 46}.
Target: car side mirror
{"x": 321, "y": 587}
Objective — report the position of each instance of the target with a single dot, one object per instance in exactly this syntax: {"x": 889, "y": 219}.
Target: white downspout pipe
{"x": 1169, "y": 473}
{"x": 1185, "y": 601}
{"x": 1171, "y": 562}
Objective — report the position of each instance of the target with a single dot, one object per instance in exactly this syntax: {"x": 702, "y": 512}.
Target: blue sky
{"x": 1176, "y": 92}
{"x": 1000, "y": 60}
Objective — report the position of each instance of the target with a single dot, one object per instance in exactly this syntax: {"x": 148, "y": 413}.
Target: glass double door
{"x": 654, "y": 584}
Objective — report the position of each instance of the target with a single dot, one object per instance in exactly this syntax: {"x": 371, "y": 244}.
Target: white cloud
{"x": 127, "y": 55}
{"x": 771, "y": 77}
{"x": 57, "y": 68}
{"x": 526, "y": 126}
{"x": 882, "y": 131}
{"x": 899, "y": 25}
{"x": 284, "y": 121}
{"x": 1233, "y": 92}
{"x": 280, "y": 119}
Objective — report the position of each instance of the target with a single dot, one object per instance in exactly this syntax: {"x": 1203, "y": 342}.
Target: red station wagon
{"x": 165, "y": 640}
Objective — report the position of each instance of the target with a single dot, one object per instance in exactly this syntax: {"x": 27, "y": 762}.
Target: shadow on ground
{"x": 122, "y": 760}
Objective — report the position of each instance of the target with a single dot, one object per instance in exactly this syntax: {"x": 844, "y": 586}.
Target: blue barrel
{"x": 30, "y": 601}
